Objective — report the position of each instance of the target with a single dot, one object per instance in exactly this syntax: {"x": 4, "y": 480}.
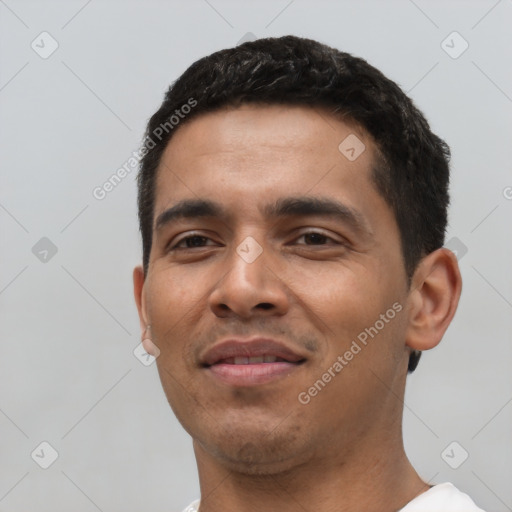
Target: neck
{"x": 371, "y": 476}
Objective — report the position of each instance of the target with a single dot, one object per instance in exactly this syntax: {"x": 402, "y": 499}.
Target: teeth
{"x": 252, "y": 360}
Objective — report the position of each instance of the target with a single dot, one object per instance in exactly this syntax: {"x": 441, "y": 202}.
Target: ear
{"x": 433, "y": 299}
{"x": 138, "y": 291}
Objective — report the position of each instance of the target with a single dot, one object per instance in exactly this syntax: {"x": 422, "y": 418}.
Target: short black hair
{"x": 412, "y": 171}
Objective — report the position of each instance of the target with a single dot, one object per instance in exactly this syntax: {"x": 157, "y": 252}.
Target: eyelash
{"x": 175, "y": 246}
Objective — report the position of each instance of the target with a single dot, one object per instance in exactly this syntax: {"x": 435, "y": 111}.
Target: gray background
{"x": 68, "y": 375}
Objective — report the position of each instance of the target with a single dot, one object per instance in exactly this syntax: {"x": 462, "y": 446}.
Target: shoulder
{"x": 443, "y": 497}
{"x": 192, "y": 507}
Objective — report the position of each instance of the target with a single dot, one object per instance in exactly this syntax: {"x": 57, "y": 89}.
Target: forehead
{"x": 250, "y": 156}
{"x": 275, "y": 128}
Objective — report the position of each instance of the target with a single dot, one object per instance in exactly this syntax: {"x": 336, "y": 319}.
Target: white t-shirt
{"x": 440, "y": 498}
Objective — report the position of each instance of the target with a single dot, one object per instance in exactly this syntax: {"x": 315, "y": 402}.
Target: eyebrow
{"x": 283, "y": 207}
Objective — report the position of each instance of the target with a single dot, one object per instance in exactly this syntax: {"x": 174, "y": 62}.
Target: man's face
{"x": 312, "y": 282}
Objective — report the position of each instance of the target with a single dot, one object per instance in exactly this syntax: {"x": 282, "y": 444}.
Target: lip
{"x": 218, "y": 361}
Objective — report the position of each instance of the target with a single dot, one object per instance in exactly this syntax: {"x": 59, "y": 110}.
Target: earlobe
{"x": 138, "y": 292}
{"x": 433, "y": 299}
{"x": 148, "y": 344}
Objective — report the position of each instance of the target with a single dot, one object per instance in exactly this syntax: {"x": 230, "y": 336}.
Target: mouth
{"x": 265, "y": 359}
{"x": 251, "y": 363}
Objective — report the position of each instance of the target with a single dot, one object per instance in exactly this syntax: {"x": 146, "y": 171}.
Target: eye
{"x": 316, "y": 237}
{"x": 190, "y": 241}
{"x": 197, "y": 241}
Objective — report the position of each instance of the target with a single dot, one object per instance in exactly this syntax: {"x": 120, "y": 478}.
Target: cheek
{"x": 175, "y": 292}
{"x": 345, "y": 296}
{"x": 362, "y": 315}
{"x": 172, "y": 307}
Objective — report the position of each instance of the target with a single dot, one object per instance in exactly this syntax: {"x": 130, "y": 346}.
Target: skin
{"x": 259, "y": 448}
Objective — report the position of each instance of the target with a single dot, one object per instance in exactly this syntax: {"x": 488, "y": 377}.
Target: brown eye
{"x": 190, "y": 242}
{"x": 316, "y": 238}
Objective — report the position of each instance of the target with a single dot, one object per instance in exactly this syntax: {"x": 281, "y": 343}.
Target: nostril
{"x": 265, "y": 305}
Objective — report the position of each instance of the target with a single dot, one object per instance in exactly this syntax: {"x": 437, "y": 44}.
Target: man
{"x": 293, "y": 206}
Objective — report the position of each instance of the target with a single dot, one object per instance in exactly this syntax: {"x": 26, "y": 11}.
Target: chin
{"x": 249, "y": 451}
{"x": 251, "y": 459}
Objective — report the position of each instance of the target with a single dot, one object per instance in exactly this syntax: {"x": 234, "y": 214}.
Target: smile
{"x": 251, "y": 371}
{"x": 252, "y": 362}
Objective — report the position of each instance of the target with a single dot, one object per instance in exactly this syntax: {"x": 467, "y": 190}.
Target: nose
{"x": 249, "y": 288}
